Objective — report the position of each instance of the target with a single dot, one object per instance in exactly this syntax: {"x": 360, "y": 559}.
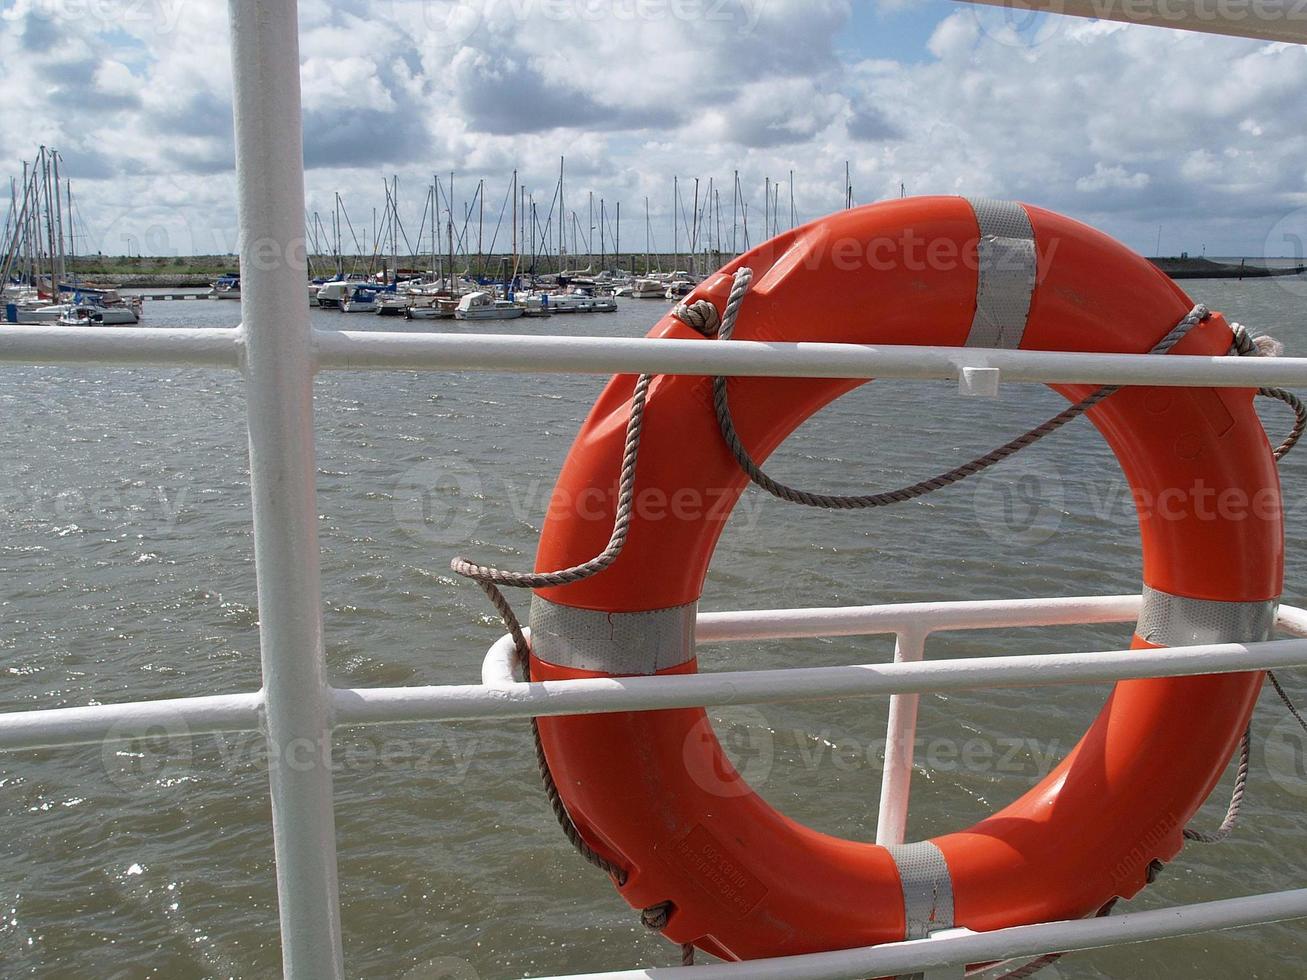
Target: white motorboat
{"x": 26, "y": 313}
{"x": 110, "y": 308}
{"x": 333, "y": 293}
{"x": 93, "y": 315}
{"x": 112, "y": 316}
{"x": 432, "y": 308}
{"x": 78, "y": 315}
{"x": 226, "y": 287}
{"x": 395, "y": 304}
{"x": 540, "y": 304}
{"x": 362, "y": 299}
{"x": 484, "y": 306}
{"x": 648, "y": 289}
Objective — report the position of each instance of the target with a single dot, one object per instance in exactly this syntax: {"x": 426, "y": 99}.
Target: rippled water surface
{"x": 126, "y": 571}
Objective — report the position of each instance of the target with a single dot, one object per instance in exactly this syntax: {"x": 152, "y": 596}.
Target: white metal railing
{"x": 349, "y": 350}
{"x": 279, "y": 353}
{"x": 499, "y": 696}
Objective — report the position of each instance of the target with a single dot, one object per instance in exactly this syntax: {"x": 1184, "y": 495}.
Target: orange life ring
{"x": 746, "y": 882}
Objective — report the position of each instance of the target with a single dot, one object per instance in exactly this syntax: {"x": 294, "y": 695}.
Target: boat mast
{"x": 744, "y": 217}
{"x": 340, "y": 264}
{"x": 710, "y": 246}
{"x": 47, "y": 241}
{"x": 481, "y": 225}
{"x": 735, "y": 215}
{"x": 676, "y": 242}
{"x": 72, "y": 236}
{"x": 26, "y": 224}
{"x": 435, "y": 222}
{"x": 31, "y": 240}
{"x": 453, "y": 279}
{"x": 617, "y": 239}
{"x": 33, "y": 237}
{"x": 646, "y": 236}
{"x": 717, "y": 215}
{"x": 602, "y": 255}
{"x": 562, "y": 220}
{"x": 694, "y": 232}
{"x": 19, "y": 249}
{"x": 513, "y": 278}
{"x": 60, "y": 270}
{"x": 49, "y": 224}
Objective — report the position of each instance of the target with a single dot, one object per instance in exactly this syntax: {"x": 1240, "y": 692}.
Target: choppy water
{"x": 126, "y": 572}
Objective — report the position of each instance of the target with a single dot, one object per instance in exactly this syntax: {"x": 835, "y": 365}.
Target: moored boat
{"x": 483, "y": 306}
{"x": 226, "y": 287}
{"x": 361, "y": 299}
{"x": 648, "y": 289}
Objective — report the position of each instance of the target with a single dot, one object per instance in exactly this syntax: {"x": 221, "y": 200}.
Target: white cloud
{"x": 1106, "y": 121}
{"x": 1112, "y": 178}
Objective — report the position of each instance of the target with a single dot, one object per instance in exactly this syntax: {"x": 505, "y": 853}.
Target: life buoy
{"x": 743, "y": 880}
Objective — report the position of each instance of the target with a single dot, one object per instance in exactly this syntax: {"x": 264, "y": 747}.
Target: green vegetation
{"x": 114, "y": 266}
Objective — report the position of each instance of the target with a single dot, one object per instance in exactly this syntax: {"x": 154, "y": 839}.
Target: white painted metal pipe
{"x": 1269, "y": 20}
{"x": 354, "y": 350}
{"x": 279, "y": 401}
{"x": 120, "y": 346}
{"x": 960, "y": 947}
{"x": 592, "y": 696}
{"x": 51, "y": 727}
{"x": 783, "y": 624}
{"x": 239, "y": 712}
{"x": 900, "y": 734}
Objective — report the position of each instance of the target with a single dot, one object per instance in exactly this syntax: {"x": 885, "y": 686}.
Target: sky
{"x": 1136, "y": 130}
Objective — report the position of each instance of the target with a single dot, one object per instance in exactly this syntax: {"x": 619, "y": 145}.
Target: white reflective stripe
{"x": 1006, "y": 273}
{"x": 1171, "y": 620}
{"x": 927, "y": 888}
{"x": 612, "y": 643}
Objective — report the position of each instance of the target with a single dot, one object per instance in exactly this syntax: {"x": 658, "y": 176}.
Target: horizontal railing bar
{"x": 933, "y": 617}
{"x": 961, "y": 947}
{"x": 354, "y": 350}
{"x": 40, "y": 344}
{"x": 500, "y": 697}
{"x": 378, "y": 350}
{"x": 52, "y": 727}
{"x": 598, "y": 695}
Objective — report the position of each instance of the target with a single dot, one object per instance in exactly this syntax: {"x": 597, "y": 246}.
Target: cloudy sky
{"x": 1129, "y": 128}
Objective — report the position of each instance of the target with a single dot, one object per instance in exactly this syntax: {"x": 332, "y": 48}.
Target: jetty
{"x": 1186, "y": 267}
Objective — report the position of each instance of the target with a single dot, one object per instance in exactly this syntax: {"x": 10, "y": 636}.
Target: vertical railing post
{"x": 279, "y": 405}
{"x": 900, "y": 734}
